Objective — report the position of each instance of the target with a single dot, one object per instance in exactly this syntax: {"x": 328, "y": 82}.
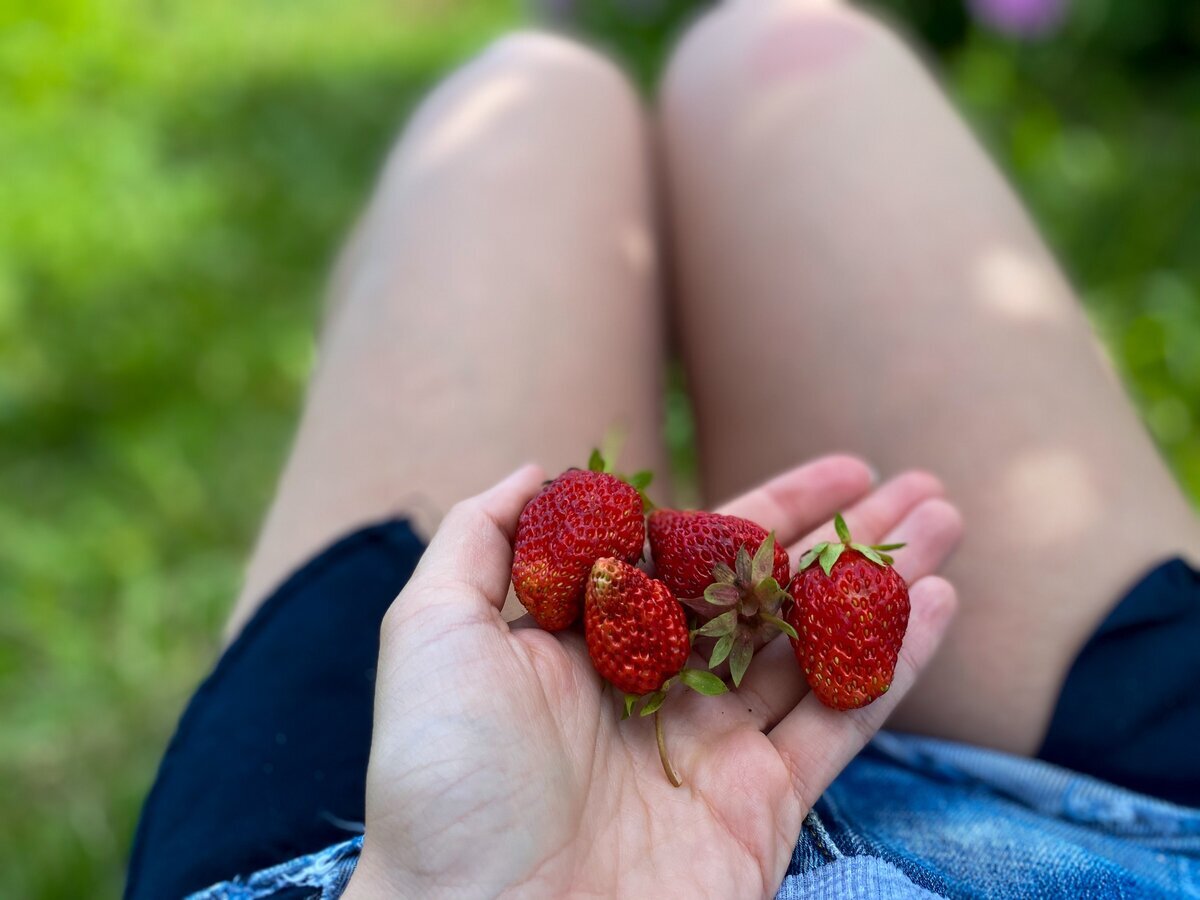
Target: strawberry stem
{"x": 672, "y": 775}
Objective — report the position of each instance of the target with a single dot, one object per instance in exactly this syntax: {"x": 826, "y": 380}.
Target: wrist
{"x": 358, "y": 889}
{"x": 374, "y": 879}
{"x": 369, "y": 883}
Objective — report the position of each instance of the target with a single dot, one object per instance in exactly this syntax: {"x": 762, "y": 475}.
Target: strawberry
{"x": 850, "y": 610}
{"x": 730, "y": 571}
{"x": 687, "y": 545}
{"x": 637, "y": 634}
{"x": 637, "y": 637}
{"x": 576, "y": 519}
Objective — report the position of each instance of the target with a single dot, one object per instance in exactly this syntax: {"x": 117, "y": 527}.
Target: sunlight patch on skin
{"x": 1011, "y": 284}
{"x": 458, "y": 131}
{"x": 1050, "y": 495}
{"x": 636, "y": 247}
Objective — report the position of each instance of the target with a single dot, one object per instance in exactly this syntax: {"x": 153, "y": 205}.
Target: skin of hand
{"x": 500, "y": 765}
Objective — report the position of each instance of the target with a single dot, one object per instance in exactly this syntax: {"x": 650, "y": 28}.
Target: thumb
{"x": 468, "y": 564}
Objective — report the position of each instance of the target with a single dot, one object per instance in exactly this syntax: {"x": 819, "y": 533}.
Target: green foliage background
{"x": 174, "y": 178}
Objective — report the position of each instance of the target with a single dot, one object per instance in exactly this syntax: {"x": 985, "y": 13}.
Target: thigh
{"x": 855, "y": 274}
{"x": 497, "y": 304}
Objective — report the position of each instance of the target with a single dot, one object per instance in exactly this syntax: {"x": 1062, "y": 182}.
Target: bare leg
{"x": 497, "y": 304}
{"x": 855, "y": 275}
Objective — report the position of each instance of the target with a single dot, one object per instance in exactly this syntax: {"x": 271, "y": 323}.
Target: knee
{"x": 744, "y": 50}
{"x": 527, "y": 86}
{"x": 552, "y": 61}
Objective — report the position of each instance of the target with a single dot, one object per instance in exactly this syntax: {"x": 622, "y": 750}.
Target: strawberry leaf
{"x": 702, "y": 682}
{"x": 830, "y": 555}
{"x": 743, "y": 567}
{"x": 883, "y": 548}
{"x": 781, "y": 624}
{"x": 721, "y": 625}
{"x": 698, "y": 604}
{"x": 811, "y": 556}
{"x": 740, "y": 655}
{"x": 630, "y": 700}
{"x": 769, "y": 594}
{"x": 596, "y": 461}
{"x": 722, "y": 594}
{"x": 721, "y": 651}
{"x": 870, "y": 553}
{"x": 722, "y": 574}
{"x": 763, "y": 563}
{"x": 653, "y": 702}
{"x": 842, "y": 529}
{"x": 641, "y": 480}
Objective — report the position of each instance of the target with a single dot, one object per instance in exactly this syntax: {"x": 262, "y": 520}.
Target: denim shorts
{"x": 260, "y": 792}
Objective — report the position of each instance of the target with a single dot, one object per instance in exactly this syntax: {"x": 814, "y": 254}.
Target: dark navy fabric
{"x": 1129, "y": 712}
{"x": 269, "y": 760}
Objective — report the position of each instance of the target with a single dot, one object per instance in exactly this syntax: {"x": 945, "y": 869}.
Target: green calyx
{"x": 639, "y": 481}
{"x": 751, "y": 599}
{"x": 827, "y": 553}
{"x": 698, "y": 680}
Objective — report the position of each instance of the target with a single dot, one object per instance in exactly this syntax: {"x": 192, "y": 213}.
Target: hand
{"x": 500, "y": 763}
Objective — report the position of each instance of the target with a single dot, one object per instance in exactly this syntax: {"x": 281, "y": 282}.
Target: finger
{"x": 774, "y": 683}
{"x": 817, "y": 742}
{"x": 469, "y": 560}
{"x": 798, "y": 500}
{"x": 873, "y": 517}
{"x": 929, "y": 534}
{"x": 869, "y": 519}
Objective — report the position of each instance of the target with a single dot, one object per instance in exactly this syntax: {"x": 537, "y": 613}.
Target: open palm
{"x": 500, "y": 764}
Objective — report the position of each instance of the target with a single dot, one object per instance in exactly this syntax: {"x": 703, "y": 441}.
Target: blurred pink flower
{"x": 1023, "y": 18}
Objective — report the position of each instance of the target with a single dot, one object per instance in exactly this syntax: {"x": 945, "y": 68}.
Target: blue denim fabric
{"x": 317, "y": 876}
{"x": 963, "y": 821}
{"x": 916, "y": 817}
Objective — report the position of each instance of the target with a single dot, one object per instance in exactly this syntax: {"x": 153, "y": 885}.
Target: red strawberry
{"x": 850, "y": 611}
{"x": 577, "y": 518}
{"x": 687, "y": 545}
{"x": 637, "y": 634}
{"x": 730, "y": 571}
{"x": 637, "y": 637}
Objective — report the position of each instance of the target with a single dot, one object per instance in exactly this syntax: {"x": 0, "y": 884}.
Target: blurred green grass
{"x": 174, "y": 179}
